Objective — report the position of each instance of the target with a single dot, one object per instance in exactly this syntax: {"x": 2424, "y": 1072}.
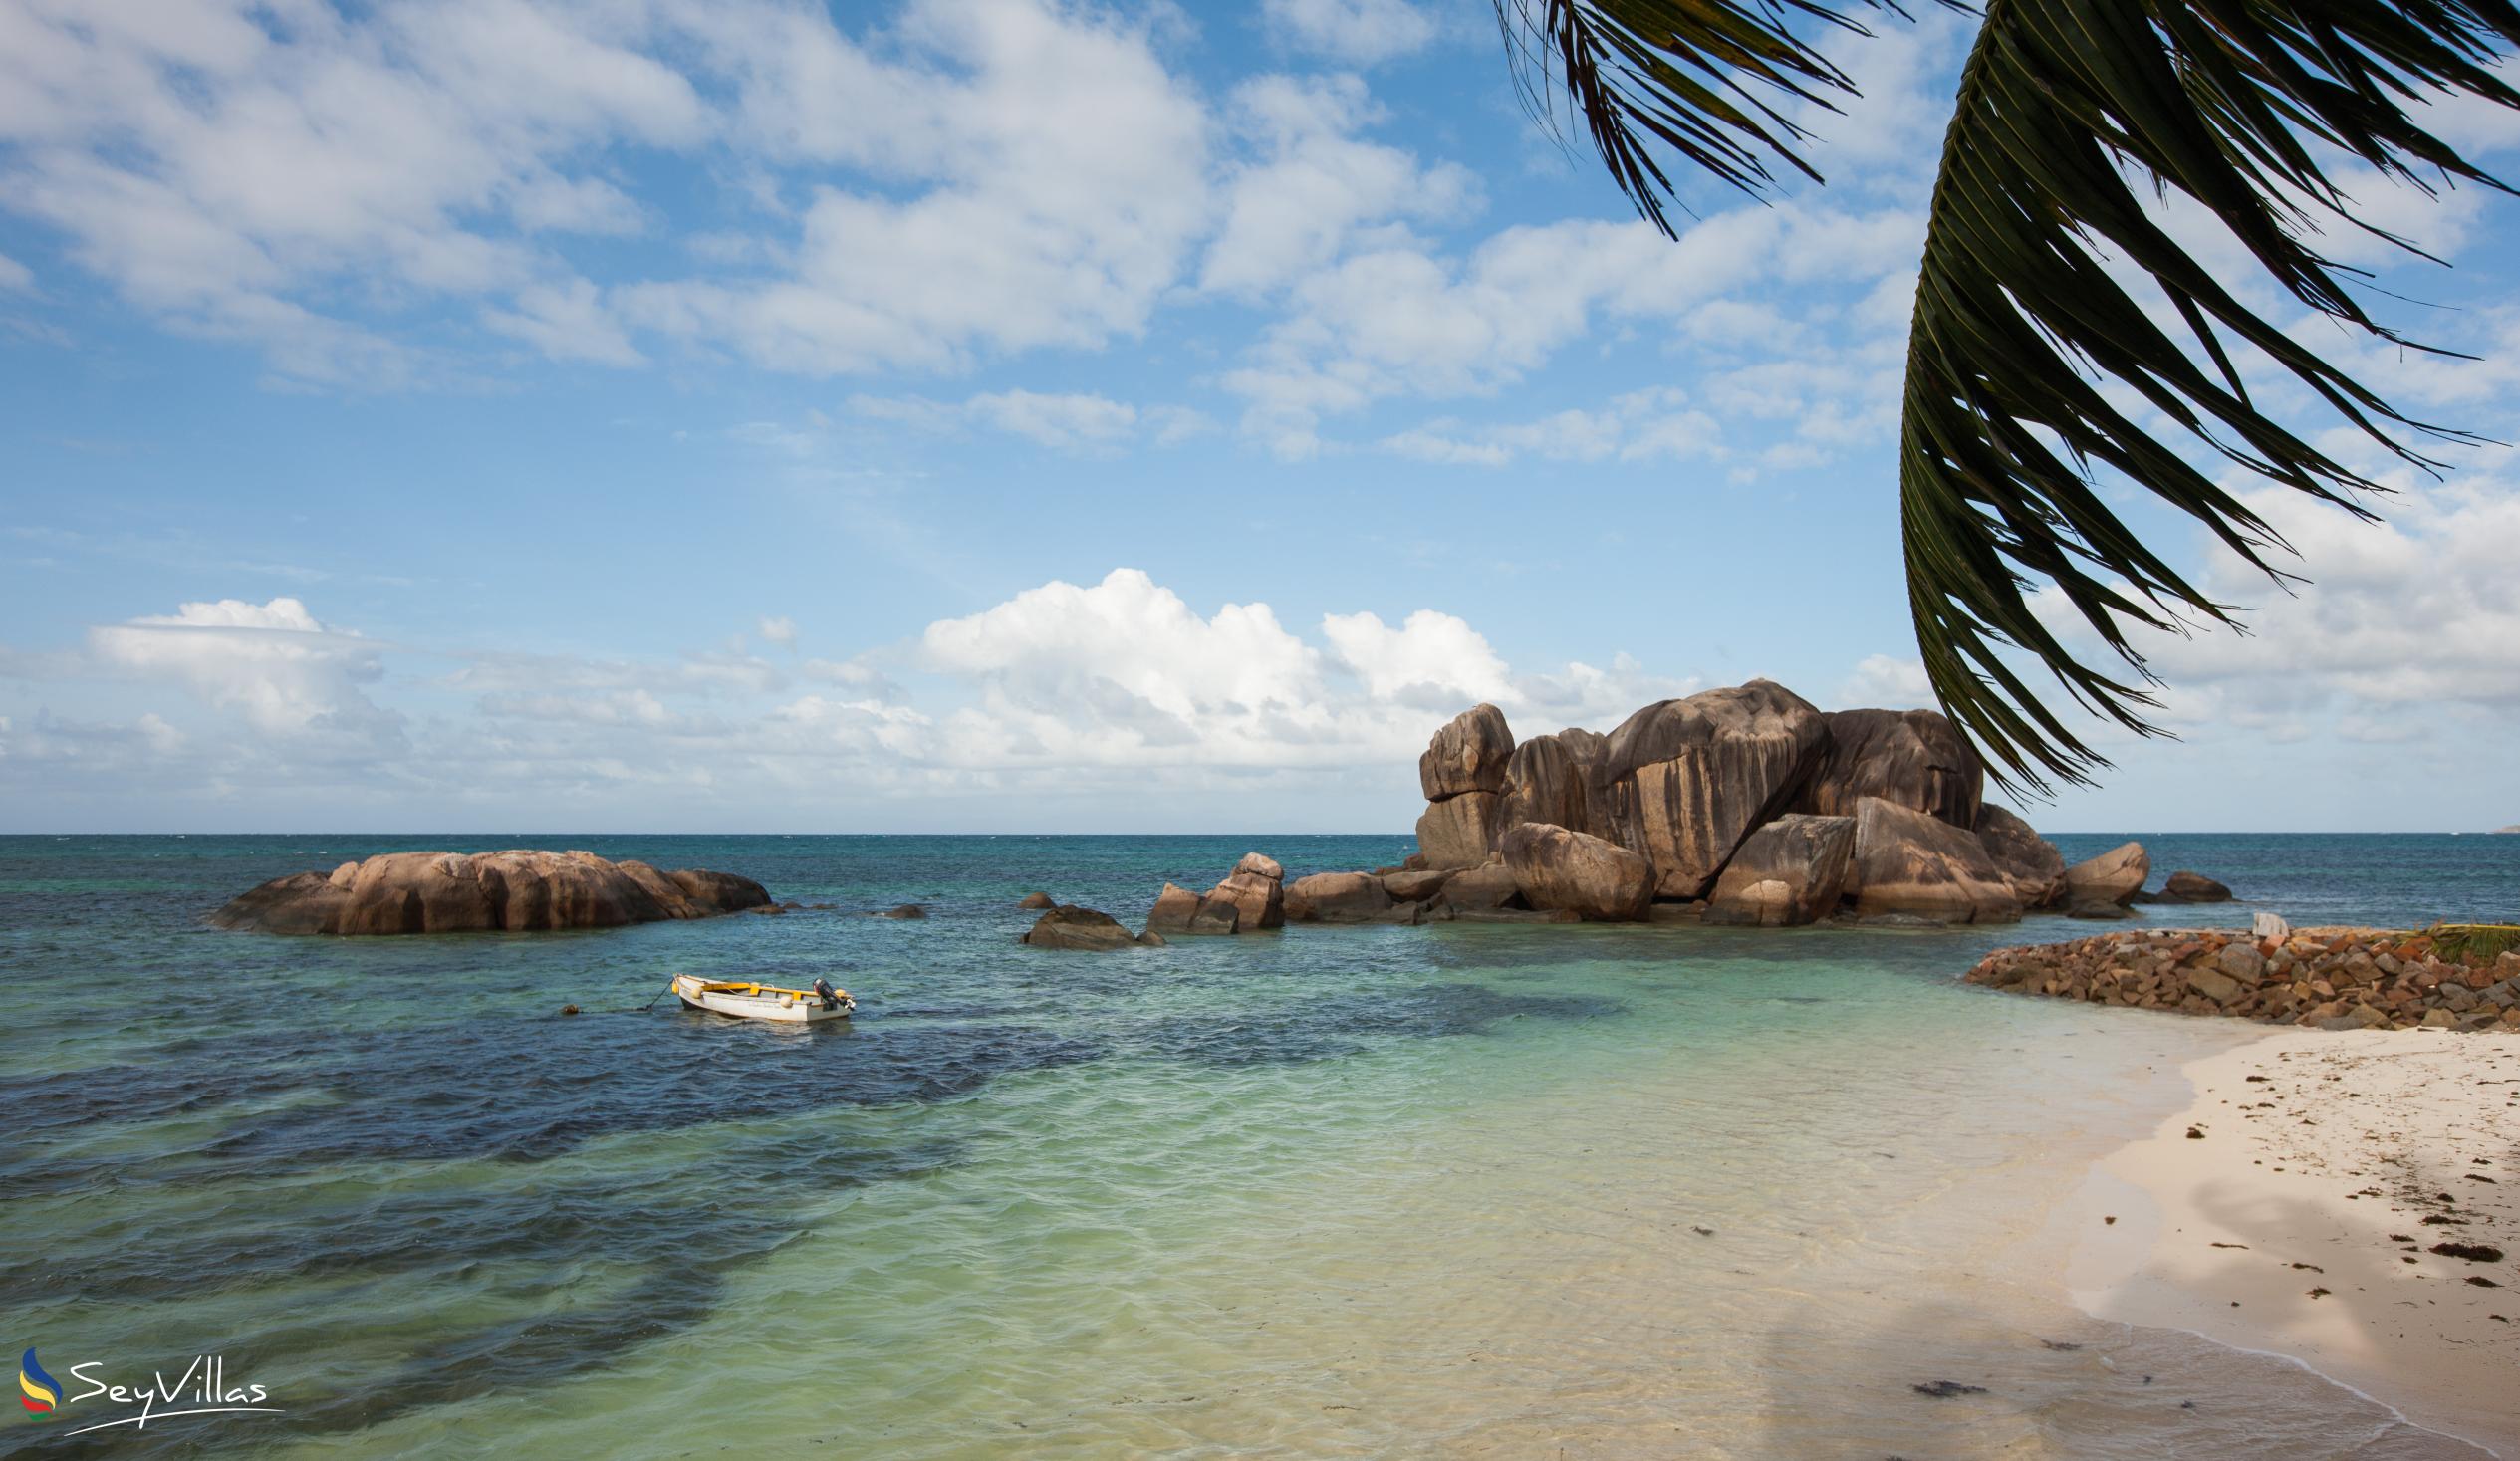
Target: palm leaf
{"x": 2067, "y": 109}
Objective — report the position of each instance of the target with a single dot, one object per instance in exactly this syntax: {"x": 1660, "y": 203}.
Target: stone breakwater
{"x": 2330, "y": 979}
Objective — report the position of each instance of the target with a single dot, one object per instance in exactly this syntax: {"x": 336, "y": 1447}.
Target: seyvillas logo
{"x": 203, "y": 1389}
{"x": 40, "y": 1393}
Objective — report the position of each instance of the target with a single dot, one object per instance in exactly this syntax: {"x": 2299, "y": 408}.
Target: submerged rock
{"x": 1035, "y": 901}
{"x": 1070, "y": 927}
{"x": 2192, "y": 887}
{"x": 518, "y": 890}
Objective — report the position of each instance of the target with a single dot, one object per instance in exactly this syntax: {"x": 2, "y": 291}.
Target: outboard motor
{"x": 829, "y": 996}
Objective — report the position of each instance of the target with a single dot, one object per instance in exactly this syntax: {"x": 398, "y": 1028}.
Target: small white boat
{"x": 746, "y": 1000}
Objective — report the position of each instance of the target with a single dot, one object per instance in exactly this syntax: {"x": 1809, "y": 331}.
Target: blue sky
{"x": 1005, "y": 415}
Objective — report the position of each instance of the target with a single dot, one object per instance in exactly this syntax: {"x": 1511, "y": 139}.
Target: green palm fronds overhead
{"x": 2024, "y": 341}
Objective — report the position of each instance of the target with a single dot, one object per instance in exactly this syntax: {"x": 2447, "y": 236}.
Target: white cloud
{"x": 1401, "y": 321}
{"x": 1357, "y": 32}
{"x": 1887, "y": 682}
{"x": 1315, "y": 188}
{"x": 780, "y": 630}
{"x": 1066, "y": 420}
{"x": 284, "y": 672}
{"x": 1641, "y": 425}
{"x": 14, "y": 275}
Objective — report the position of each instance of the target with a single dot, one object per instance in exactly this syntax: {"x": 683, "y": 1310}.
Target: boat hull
{"x": 778, "y": 1009}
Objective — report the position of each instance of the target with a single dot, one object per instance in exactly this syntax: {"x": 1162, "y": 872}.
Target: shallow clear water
{"x": 1376, "y": 1192}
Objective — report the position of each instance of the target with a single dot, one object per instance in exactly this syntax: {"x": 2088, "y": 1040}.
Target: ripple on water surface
{"x": 1443, "y": 1192}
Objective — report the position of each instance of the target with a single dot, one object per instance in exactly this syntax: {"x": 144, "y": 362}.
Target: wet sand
{"x": 2311, "y": 1201}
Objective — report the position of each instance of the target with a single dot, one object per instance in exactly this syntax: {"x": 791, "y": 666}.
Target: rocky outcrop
{"x": 511, "y": 891}
{"x": 1336, "y": 897}
{"x": 2333, "y": 979}
{"x": 1458, "y": 831}
{"x": 2114, "y": 877}
{"x": 1689, "y": 779}
{"x": 1070, "y": 927}
{"x": 1598, "y": 882}
{"x": 2029, "y": 861}
{"x": 1178, "y": 910}
{"x": 1487, "y": 888}
{"x": 2191, "y": 888}
{"x": 1906, "y": 861}
{"x": 1557, "y": 780}
{"x": 1467, "y": 755}
{"x": 1034, "y": 902}
{"x": 1910, "y": 757}
{"x": 1415, "y": 885}
{"x": 1257, "y": 890}
{"x": 1791, "y": 871}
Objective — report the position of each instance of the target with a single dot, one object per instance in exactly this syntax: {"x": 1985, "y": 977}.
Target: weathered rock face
{"x": 2192, "y": 887}
{"x": 1257, "y": 890}
{"x": 1557, "y": 780}
{"x": 1598, "y": 882}
{"x": 1457, "y": 832}
{"x": 2114, "y": 877}
{"x": 2029, "y": 861}
{"x": 1689, "y": 779}
{"x": 1336, "y": 897}
{"x": 1467, "y": 755}
{"x": 1415, "y": 885}
{"x": 1911, "y": 757}
{"x": 1179, "y": 911}
{"x": 1484, "y": 889}
{"x": 1070, "y": 927}
{"x": 1791, "y": 871}
{"x": 1908, "y": 862}
{"x": 509, "y": 892}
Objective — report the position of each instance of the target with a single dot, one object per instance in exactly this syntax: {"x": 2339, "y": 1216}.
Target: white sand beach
{"x": 2295, "y": 1205}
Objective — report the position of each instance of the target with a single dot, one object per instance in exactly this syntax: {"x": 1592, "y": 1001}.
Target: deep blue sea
{"x": 1452, "y": 1190}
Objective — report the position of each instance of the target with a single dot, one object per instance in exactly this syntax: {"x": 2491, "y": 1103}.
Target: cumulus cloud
{"x": 779, "y": 630}
{"x": 273, "y": 664}
{"x": 1357, "y": 32}
{"x": 1888, "y": 681}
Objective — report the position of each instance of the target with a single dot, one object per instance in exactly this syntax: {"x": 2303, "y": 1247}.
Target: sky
{"x": 1009, "y": 415}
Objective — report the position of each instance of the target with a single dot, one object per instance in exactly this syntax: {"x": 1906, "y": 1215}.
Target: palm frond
{"x": 1704, "y": 77}
{"x": 2068, "y": 110}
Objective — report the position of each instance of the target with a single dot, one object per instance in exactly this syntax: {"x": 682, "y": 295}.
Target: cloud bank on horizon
{"x": 973, "y": 414}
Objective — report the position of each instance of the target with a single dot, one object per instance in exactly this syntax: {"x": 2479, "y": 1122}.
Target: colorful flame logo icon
{"x": 43, "y": 1392}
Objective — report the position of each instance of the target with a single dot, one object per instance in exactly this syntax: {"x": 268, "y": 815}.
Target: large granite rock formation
{"x": 1336, "y": 897}
{"x": 1911, "y": 757}
{"x": 1600, "y": 882}
{"x": 2029, "y": 861}
{"x": 1462, "y": 773}
{"x": 1467, "y": 755}
{"x": 507, "y": 891}
{"x": 1486, "y": 888}
{"x": 2114, "y": 877}
{"x": 1908, "y": 862}
{"x": 1689, "y": 779}
{"x": 1178, "y": 910}
{"x": 1257, "y": 890}
{"x": 1791, "y": 871}
{"x": 1557, "y": 780}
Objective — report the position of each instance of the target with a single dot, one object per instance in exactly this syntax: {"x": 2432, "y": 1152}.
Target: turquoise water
{"x": 1368, "y": 1191}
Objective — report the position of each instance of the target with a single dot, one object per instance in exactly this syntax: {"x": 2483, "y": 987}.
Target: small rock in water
{"x": 568, "y": 1009}
{"x": 1947, "y": 1390}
